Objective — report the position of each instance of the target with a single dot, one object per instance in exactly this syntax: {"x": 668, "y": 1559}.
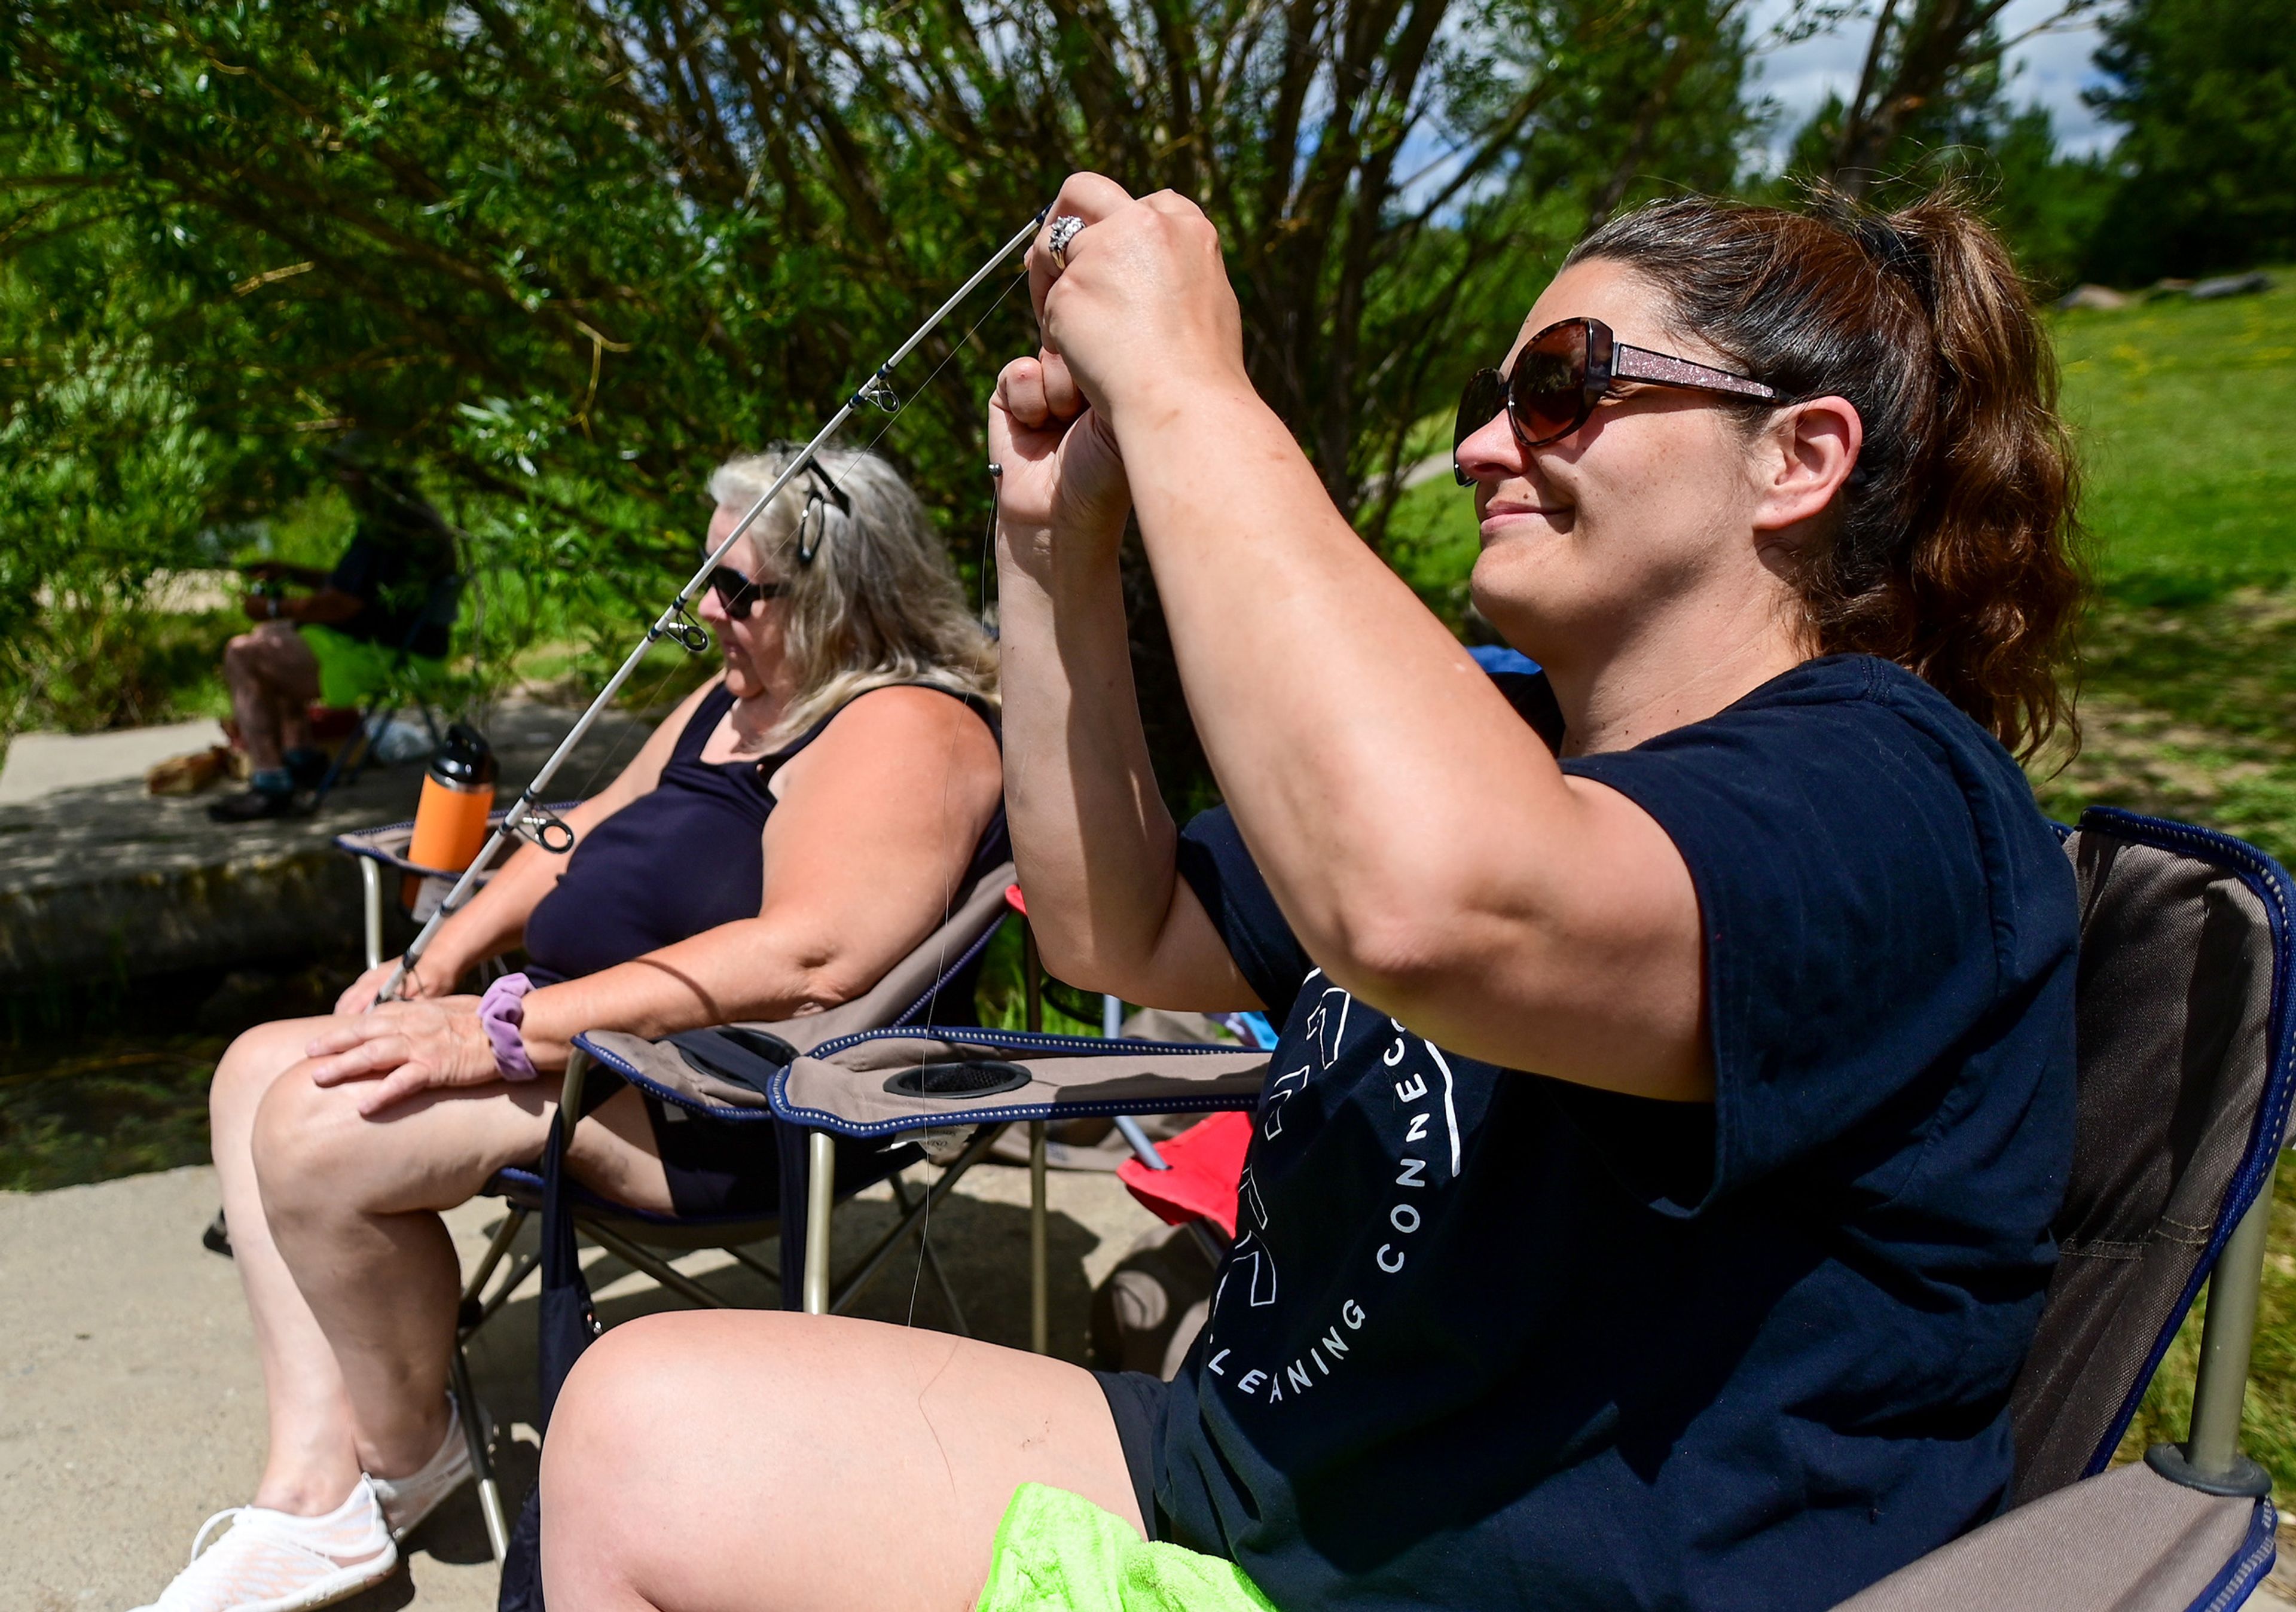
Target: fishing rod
{"x": 526, "y": 819}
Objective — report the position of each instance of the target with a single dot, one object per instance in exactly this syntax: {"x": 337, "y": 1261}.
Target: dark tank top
{"x": 686, "y": 856}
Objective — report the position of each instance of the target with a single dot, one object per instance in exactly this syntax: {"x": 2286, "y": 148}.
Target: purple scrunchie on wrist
{"x": 501, "y": 1012}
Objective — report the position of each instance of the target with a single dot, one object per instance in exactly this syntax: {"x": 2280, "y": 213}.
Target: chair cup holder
{"x": 957, "y": 1080}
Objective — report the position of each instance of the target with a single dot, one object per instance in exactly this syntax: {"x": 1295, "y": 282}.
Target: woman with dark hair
{"x": 1649, "y": 1203}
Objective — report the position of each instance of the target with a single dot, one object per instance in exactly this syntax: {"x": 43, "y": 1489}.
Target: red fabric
{"x": 1207, "y": 1161}
{"x": 330, "y": 722}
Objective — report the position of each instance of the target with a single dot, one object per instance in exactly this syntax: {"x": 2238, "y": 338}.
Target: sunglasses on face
{"x": 1563, "y": 371}
{"x": 738, "y": 594}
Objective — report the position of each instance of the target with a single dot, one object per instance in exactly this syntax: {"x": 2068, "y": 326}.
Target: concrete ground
{"x": 40, "y": 764}
{"x": 133, "y": 1407}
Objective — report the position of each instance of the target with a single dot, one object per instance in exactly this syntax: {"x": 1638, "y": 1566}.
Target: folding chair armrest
{"x": 868, "y": 1086}
{"x": 2129, "y": 1539}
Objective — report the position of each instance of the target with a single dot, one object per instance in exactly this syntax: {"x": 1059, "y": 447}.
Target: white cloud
{"x": 2051, "y": 69}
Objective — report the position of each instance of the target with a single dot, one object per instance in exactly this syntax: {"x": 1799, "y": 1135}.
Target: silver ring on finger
{"x": 1066, "y": 228}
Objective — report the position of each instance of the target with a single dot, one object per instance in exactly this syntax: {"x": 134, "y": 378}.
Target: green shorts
{"x": 1058, "y": 1552}
{"x": 352, "y": 671}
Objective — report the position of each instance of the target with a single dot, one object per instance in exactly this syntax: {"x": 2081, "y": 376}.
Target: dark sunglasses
{"x": 1563, "y": 372}
{"x": 738, "y": 594}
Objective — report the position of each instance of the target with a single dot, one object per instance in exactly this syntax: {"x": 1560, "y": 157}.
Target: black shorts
{"x": 1137, "y": 1401}
{"x": 719, "y": 1168}
{"x": 715, "y": 1167}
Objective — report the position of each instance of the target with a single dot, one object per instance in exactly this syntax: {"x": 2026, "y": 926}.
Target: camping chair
{"x": 960, "y": 1089}
{"x": 441, "y": 606}
{"x": 2188, "y": 1066}
{"x": 381, "y": 850}
{"x": 714, "y": 1076}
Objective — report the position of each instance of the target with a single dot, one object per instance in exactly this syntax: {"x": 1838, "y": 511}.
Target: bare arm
{"x": 1090, "y": 834}
{"x": 493, "y": 920}
{"x": 878, "y": 820}
{"x": 1423, "y": 845}
{"x": 876, "y": 823}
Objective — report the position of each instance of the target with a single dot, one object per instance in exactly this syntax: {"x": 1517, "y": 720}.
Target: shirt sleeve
{"x": 1852, "y": 959}
{"x": 1212, "y": 859}
{"x": 355, "y": 572}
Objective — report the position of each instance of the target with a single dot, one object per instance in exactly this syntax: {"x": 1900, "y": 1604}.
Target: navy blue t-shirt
{"x": 1489, "y": 1339}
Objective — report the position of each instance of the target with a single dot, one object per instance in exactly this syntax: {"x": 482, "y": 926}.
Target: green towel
{"x": 1058, "y": 1552}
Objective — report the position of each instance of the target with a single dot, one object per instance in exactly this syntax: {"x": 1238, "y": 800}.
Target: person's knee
{"x": 309, "y": 1144}
{"x": 248, "y": 1068}
{"x": 606, "y": 1492}
{"x": 648, "y": 1372}
{"x": 242, "y": 656}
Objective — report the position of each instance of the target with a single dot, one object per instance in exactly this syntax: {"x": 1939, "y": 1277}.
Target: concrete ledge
{"x": 108, "y": 882}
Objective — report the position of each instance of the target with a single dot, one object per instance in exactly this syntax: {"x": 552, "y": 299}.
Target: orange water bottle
{"x": 458, "y": 792}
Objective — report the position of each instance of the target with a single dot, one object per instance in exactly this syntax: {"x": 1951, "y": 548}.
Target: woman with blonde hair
{"x": 797, "y": 826}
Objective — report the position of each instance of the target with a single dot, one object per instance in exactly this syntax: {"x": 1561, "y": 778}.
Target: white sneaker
{"x": 407, "y": 1501}
{"x": 272, "y": 1561}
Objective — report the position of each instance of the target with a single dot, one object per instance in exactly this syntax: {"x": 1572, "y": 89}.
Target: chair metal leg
{"x": 370, "y": 888}
{"x": 2226, "y": 1339}
{"x": 769, "y": 1273}
{"x": 914, "y": 1219}
{"x": 1040, "y": 1271}
{"x": 505, "y": 1235}
{"x": 521, "y": 1269}
{"x": 668, "y": 1275}
{"x": 482, "y": 1463}
{"x": 820, "y": 1199}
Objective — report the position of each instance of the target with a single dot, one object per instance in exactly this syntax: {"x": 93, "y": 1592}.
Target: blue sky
{"x": 2052, "y": 69}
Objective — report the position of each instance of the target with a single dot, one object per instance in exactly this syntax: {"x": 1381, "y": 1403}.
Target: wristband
{"x": 501, "y": 1012}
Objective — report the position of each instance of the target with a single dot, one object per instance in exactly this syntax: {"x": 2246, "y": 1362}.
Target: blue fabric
{"x": 686, "y": 856}
{"x": 1488, "y": 1339}
{"x": 1497, "y": 658}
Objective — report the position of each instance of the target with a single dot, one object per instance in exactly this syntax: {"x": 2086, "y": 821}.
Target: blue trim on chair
{"x": 624, "y": 1071}
{"x": 2241, "y": 1576}
{"x": 1011, "y": 1041}
{"x": 2271, "y": 884}
{"x": 631, "y": 1074}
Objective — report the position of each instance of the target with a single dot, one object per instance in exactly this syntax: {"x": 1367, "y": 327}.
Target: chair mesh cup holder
{"x": 957, "y": 1079}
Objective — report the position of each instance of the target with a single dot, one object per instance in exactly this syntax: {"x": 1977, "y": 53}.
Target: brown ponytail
{"x": 1957, "y": 555}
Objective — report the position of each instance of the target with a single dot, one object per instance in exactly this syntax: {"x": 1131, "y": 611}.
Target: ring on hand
{"x": 1065, "y": 229}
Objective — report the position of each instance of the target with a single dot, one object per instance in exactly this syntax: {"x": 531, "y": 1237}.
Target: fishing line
{"x": 527, "y": 818}
{"x": 949, "y": 768}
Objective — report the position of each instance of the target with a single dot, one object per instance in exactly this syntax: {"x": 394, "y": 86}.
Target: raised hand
{"x": 405, "y": 1048}
{"x": 1063, "y": 485}
{"x": 1142, "y": 314}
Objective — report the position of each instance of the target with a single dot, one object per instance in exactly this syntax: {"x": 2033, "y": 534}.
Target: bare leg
{"x": 353, "y": 1205}
{"x": 784, "y": 1463}
{"x": 272, "y": 676}
{"x": 313, "y": 1461}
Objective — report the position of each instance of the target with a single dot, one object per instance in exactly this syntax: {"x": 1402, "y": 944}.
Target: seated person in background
{"x": 1648, "y": 1201}
{"x": 795, "y": 828}
{"x": 341, "y": 643}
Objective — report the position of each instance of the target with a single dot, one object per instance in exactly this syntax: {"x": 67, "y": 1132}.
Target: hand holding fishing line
{"x": 1137, "y": 311}
{"x": 526, "y": 818}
